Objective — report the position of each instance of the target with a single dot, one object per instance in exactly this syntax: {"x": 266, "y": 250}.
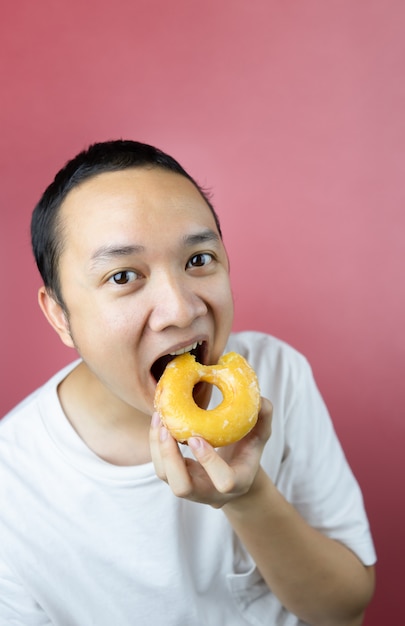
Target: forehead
{"x": 136, "y": 200}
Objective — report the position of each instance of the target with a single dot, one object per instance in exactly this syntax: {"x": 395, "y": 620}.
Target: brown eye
{"x": 199, "y": 260}
{"x": 123, "y": 278}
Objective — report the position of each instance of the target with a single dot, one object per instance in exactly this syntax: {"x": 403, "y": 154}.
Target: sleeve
{"x": 17, "y": 608}
{"x": 314, "y": 474}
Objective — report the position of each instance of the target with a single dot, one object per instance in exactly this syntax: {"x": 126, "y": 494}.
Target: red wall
{"x": 293, "y": 114}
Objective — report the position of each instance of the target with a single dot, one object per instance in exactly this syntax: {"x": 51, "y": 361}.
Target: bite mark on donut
{"x": 222, "y": 425}
{"x": 160, "y": 364}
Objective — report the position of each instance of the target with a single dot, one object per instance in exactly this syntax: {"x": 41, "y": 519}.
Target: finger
{"x": 220, "y": 473}
{"x": 162, "y": 445}
{"x": 173, "y": 465}
{"x": 265, "y": 419}
{"x": 261, "y": 432}
{"x": 248, "y": 451}
{"x": 154, "y": 443}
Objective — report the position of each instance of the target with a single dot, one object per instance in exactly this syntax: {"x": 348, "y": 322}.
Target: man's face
{"x": 143, "y": 274}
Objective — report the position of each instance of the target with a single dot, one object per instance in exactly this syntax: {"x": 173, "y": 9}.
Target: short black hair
{"x": 107, "y": 156}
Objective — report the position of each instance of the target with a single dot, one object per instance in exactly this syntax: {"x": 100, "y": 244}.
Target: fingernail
{"x": 163, "y": 434}
{"x": 155, "y": 420}
{"x": 195, "y": 443}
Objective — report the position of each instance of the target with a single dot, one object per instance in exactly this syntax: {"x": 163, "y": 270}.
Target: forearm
{"x": 313, "y": 576}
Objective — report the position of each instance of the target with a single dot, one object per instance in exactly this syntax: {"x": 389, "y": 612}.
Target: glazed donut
{"x": 231, "y": 420}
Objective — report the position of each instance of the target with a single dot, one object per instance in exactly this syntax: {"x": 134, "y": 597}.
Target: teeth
{"x": 186, "y": 349}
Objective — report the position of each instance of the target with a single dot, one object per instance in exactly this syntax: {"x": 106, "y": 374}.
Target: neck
{"x": 115, "y": 431}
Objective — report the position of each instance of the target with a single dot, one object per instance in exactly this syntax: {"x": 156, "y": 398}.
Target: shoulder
{"x": 269, "y": 356}
{"x": 255, "y": 344}
{"x": 28, "y": 407}
{"x": 286, "y": 379}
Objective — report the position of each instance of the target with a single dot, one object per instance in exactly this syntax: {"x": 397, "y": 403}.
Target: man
{"x": 106, "y": 519}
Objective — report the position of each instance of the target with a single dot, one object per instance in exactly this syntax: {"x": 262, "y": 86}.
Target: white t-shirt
{"x": 85, "y": 543}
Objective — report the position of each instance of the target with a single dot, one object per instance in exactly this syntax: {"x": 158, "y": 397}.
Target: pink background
{"x": 292, "y": 113}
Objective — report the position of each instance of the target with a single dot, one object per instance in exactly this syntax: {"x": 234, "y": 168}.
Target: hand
{"x": 216, "y": 476}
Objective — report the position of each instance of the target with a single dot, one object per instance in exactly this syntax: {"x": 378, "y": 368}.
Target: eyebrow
{"x": 205, "y": 236}
{"x": 107, "y": 252}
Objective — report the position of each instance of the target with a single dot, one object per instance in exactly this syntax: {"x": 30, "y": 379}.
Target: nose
{"x": 175, "y": 303}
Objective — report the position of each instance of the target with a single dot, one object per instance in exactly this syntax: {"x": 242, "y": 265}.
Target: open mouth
{"x": 198, "y": 350}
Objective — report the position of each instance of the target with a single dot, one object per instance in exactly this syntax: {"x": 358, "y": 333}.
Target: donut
{"x": 227, "y": 423}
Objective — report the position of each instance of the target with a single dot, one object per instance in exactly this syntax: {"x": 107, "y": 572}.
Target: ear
{"x": 55, "y": 315}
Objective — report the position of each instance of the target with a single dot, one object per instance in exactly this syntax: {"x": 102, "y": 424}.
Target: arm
{"x": 315, "y": 577}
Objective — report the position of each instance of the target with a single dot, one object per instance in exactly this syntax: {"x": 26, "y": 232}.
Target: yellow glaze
{"x": 231, "y": 420}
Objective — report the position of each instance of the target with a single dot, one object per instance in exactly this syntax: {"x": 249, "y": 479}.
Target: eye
{"x": 199, "y": 260}
{"x": 123, "y": 278}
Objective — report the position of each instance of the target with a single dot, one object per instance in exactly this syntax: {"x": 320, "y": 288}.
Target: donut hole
{"x": 216, "y": 396}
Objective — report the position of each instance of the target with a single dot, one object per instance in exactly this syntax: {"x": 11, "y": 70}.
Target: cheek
{"x": 224, "y": 305}
{"x": 96, "y": 328}
{"x": 226, "y": 295}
